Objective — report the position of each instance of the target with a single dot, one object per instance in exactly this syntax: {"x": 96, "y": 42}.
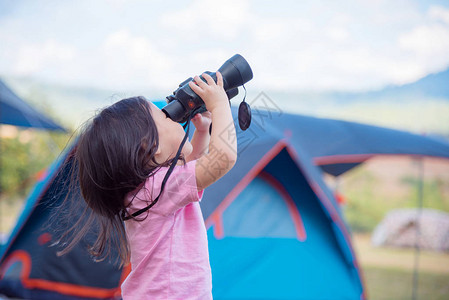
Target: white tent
{"x": 404, "y": 227}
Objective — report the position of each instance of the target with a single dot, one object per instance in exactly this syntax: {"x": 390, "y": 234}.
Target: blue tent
{"x": 30, "y": 268}
{"x": 275, "y": 230}
{"x": 15, "y": 111}
{"x": 276, "y": 222}
{"x": 337, "y": 146}
{"x": 280, "y": 229}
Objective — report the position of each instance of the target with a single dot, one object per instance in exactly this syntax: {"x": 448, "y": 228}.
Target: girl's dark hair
{"x": 114, "y": 156}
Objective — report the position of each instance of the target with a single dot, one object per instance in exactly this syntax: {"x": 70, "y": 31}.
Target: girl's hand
{"x": 213, "y": 94}
{"x": 202, "y": 121}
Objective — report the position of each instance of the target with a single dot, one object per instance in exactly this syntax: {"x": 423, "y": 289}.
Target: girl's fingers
{"x": 206, "y": 114}
{"x": 200, "y": 82}
{"x": 209, "y": 79}
{"x": 219, "y": 79}
{"x": 194, "y": 87}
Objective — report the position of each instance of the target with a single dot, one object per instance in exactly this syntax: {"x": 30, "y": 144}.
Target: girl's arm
{"x": 222, "y": 154}
{"x": 201, "y": 138}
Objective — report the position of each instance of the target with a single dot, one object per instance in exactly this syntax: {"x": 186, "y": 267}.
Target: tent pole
{"x": 418, "y": 227}
{"x": 1, "y": 191}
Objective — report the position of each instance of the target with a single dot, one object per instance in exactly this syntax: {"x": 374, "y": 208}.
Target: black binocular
{"x": 184, "y": 102}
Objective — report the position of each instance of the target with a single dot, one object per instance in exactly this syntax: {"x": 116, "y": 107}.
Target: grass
{"x": 385, "y": 183}
{"x": 396, "y": 284}
{"x": 388, "y": 272}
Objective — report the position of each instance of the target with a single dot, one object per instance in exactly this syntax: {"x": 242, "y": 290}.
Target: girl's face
{"x": 170, "y": 136}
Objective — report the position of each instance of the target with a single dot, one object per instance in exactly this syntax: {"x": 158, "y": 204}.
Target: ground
{"x": 388, "y": 272}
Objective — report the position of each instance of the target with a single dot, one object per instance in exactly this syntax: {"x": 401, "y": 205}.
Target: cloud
{"x": 439, "y": 13}
{"x": 296, "y": 45}
{"x": 202, "y": 18}
{"x": 338, "y": 34}
{"x": 136, "y": 51}
{"x": 133, "y": 61}
{"x": 427, "y": 45}
{"x": 34, "y": 58}
{"x": 315, "y": 48}
{"x": 427, "y": 40}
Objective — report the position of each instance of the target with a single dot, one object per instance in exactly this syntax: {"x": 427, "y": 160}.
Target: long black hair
{"x": 114, "y": 155}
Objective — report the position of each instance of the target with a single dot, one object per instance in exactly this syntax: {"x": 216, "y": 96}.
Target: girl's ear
{"x": 158, "y": 151}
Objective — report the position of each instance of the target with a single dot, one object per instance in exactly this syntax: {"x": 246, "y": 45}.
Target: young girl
{"x": 123, "y": 156}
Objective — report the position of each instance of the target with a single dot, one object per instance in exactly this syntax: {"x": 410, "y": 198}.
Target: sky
{"x": 344, "y": 45}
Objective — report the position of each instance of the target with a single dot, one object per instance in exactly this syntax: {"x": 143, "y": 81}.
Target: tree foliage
{"x": 24, "y": 156}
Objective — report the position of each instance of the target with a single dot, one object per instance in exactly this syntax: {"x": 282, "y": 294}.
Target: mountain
{"x": 69, "y": 105}
{"x": 421, "y": 106}
{"x": 433, "y": 85}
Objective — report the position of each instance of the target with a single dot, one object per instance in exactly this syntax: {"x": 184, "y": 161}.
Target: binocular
{"x": 184, "y": 102}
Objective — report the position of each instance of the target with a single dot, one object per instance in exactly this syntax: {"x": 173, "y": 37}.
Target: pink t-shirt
{"x": 169, "y": 255}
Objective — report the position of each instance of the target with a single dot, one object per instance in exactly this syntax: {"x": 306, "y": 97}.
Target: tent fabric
{"x": 30, "y": 267}
{"x": 408, "y": 227}
{"x": 338, "y": 146}
{"x": 15, "y": 111}
{"x": 280, "y": 250}
{"x": 274, "y": 228}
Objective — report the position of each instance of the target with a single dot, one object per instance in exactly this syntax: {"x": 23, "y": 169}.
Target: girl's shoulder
{"x": 180, "y": 189}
